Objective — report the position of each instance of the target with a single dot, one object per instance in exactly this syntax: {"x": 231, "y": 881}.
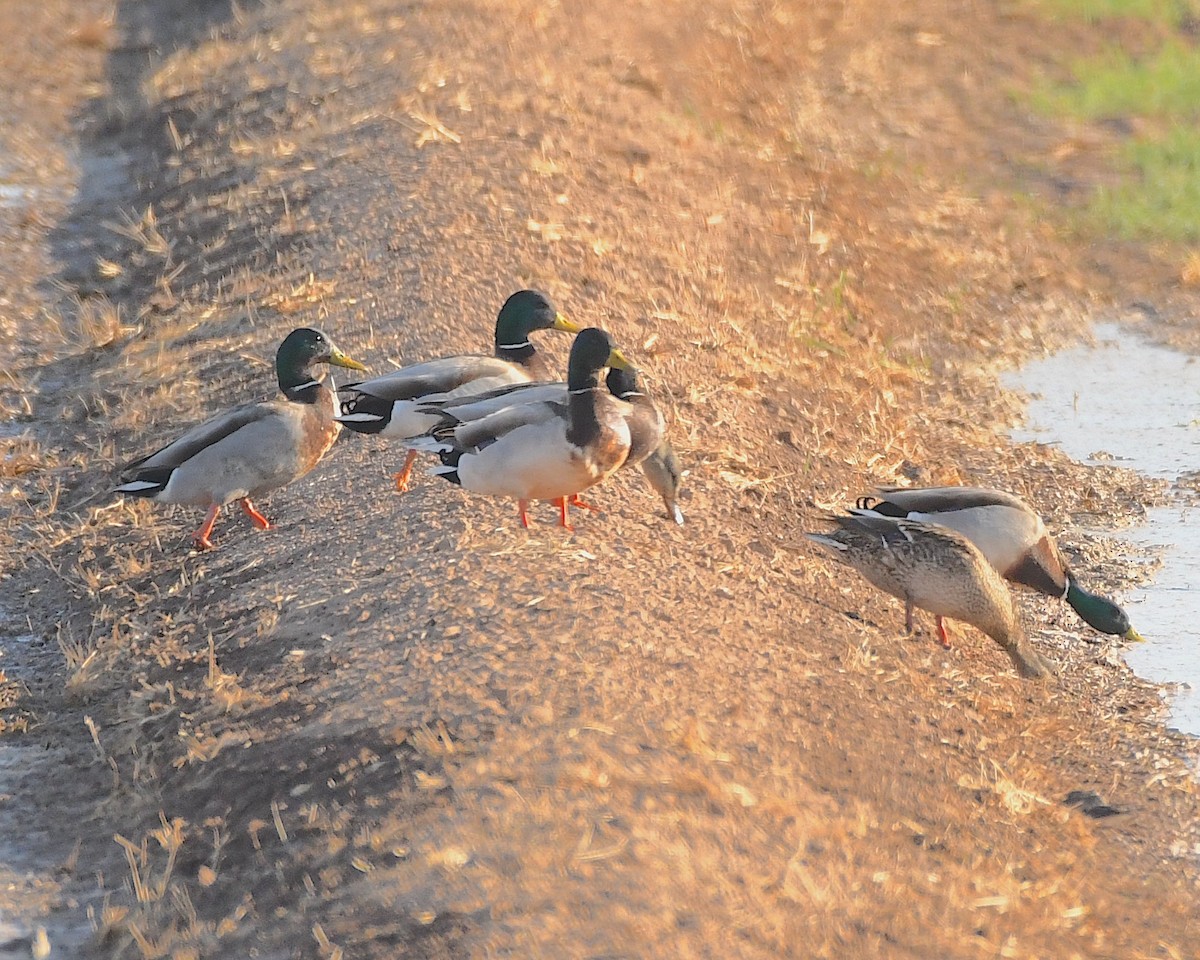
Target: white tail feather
{"x": 136, "y": 486}
{"x": 826, "y": 541}
{"x": 427, "y": 445}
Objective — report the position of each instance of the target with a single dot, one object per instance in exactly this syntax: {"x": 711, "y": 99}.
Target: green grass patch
{"x": 1158, "y": 195}
{"x": 1173, "y": 12}
{"x": 1166, "y": 84}
{"x": 1161, "y": 195}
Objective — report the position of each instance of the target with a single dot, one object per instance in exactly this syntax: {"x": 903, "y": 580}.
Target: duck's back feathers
{"x": 436, "y": 377}
{"x": 242, "y": 453}
{"x": 480, "y": 405}
{"x": 942, "y": 499}
{"x": 646, "y": 424}
{"x": 195, "y": 440}
{"x": 908, "y": 559}
{"x": 934, "y": 568}
{"x": 480, "y": 433}
{"x": 390, "y": 405}
{"x": 1002, "y": 526}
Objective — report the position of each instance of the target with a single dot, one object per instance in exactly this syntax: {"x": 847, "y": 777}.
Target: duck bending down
{"x": 546, "y": 450}
{"x": 937, "y": 569}
{"x": 244, "y": 452}
{"x": 648, "y": 443}
{"x": 388, "y": 405}
{"x": 663, "y": 473}
{"x": 1013, "y": 538}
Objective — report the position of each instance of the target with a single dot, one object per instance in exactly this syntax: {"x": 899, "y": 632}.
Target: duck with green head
{"x": 389, "y": 405}
{"x": 244, "y": 452}
{"x": 648, "y": 448}
{"x": 937, "y": 569}
{"x": 1011, "y": 536}
{"x": 546, "y": 450}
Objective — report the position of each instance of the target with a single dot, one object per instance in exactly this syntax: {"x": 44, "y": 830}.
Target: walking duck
{"x": 244, "y": 452}
{"x": 388, "y": 405}
{"x": 648, "y": 447}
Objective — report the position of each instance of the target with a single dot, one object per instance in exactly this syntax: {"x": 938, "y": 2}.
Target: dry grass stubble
{"x": 394, "y": 725}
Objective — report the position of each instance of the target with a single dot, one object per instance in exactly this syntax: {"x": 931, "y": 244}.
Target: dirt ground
{"x": 399, "y": 725}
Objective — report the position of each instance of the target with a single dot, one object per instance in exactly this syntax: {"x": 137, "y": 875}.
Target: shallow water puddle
{"x": 11, "y": 194}
{"x": 1135, "y": 403}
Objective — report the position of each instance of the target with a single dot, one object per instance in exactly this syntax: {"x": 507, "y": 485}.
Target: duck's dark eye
{"x": 320, "y": 339}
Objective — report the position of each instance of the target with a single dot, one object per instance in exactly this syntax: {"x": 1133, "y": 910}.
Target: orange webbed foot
{"x": 563, "y": 510}
{"x": 578, "y": 501}
{"x": 200, "y": 539}
{"x": 405, "y": 475}
{"x": 255, "y": 517}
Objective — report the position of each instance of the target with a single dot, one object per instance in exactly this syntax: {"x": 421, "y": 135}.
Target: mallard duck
{"x": 646, "y": 424}
{"x": 250, "y": 449}
{"x": 937, "y": 569}
{"x": 648, "y": 446}
{"x": 388, "y": 405}
{"x": 547, "y": 450}
{"x": 1011, "y": 536}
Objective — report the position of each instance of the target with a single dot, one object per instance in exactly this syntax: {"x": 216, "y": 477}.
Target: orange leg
{"x": 577, "y": 501}
{"x": 523, "y": 508}
{"x": 255, "y": 517}
{"x": 405, "y": 473}
{"x": 563, "y": 507}
{"x": 941, "y": 629}
{"x": 200, "y": 537}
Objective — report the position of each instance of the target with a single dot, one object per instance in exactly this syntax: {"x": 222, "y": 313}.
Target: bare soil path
{"x": 399, "y": 726}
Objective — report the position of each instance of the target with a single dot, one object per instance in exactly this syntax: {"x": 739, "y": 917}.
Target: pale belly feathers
{"x": 536, "y": 462}
{"x": 260, "y": 456}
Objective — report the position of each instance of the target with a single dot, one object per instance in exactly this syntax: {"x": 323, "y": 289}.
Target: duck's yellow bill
{"x": 562, "y": 323}
{"x": 617, "y": 359}
{"x": 339, "y": 359}
{"x": 1133, "y": 636}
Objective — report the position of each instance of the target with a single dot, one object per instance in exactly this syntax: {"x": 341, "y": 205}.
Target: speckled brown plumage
{"x": 938, "y": 570}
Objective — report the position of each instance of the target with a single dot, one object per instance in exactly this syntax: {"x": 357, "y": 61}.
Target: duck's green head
{"x": 524, "y": 312}
{"x": 591, "y": 352}
{"x": 302, "y": 348}
{"x": 1101, "y": 613}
